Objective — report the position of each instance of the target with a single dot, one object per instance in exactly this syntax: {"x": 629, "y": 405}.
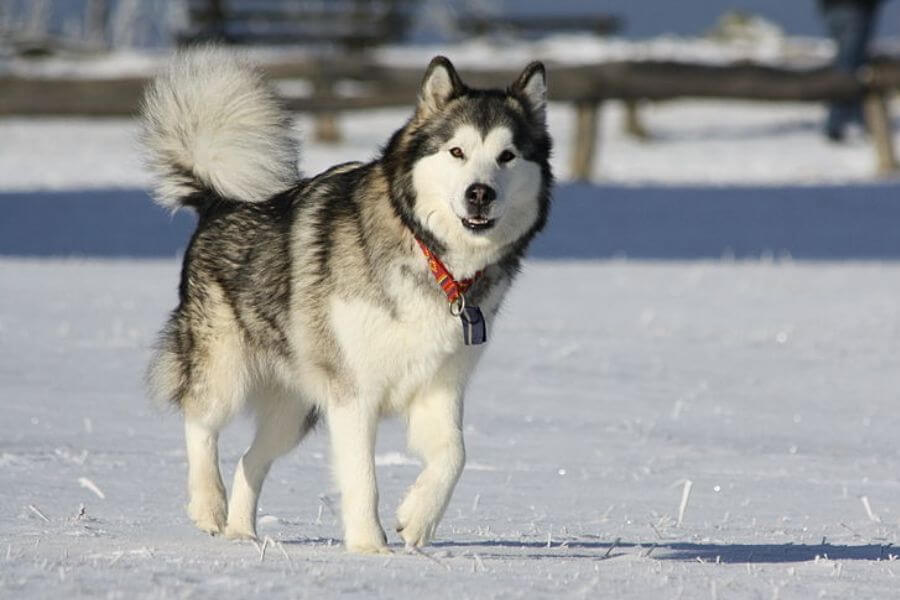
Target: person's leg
{"x": 850, "y": 24}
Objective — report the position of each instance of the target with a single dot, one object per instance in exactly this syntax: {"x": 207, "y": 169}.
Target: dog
{"x": 361, "y": 292}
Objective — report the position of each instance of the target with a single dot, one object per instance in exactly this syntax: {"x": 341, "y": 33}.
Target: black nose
{"x": 479, "y": 195}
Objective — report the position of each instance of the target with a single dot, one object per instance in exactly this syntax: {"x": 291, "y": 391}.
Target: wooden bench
{"x": 538, "y": 25}
{"x": 26, "y": 31}
{"x": 345, "y": 24}
{"x": 348, "y": 26}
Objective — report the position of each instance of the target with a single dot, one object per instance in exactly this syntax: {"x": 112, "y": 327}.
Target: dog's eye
{"x": 505, "y": 157}
{"x": 457, "y": 152}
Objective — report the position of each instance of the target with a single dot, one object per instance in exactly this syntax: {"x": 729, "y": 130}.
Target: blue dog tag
{"x": 474, "y": 326}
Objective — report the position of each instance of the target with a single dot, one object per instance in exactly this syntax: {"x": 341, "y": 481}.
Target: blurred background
{"x": 144, "y": 23}
{"x": 785, "y": 104}
{"x": 712, "y": 307}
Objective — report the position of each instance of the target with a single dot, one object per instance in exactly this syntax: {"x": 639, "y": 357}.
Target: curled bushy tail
{"x": 210, "y": 122}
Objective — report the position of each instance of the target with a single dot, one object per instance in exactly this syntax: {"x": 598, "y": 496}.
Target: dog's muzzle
{"x": 479, "y": 198}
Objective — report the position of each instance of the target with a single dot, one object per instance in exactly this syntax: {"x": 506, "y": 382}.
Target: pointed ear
{"x": 532, "y": 84}
{"x": 440, "y": 84}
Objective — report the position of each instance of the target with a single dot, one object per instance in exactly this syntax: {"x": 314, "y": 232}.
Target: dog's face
{"x": 479, "y": 171}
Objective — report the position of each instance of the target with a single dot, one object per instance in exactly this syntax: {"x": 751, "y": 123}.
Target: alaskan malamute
{"x": 361, "y": 292}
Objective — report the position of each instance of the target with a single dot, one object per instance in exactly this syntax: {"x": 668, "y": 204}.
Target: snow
{"x": 770, "y": 386}
{"x": 771, "y": 47}
{"x": 692, "y": 142}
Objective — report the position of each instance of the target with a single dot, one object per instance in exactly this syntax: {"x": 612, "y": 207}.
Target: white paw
{"x": 208, "y": 513}
{"x": 239, "y": 532}
{"x": 416, "y": 521}
{"x": 370, "y": 548}
{"x": 371, "y": 541}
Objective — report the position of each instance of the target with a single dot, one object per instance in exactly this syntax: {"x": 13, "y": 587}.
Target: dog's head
{"x": 470, "y": 171}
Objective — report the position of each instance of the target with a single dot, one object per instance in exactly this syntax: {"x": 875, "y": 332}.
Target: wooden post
{"x": 326, "y": 122}
{"x": 632, "y": 124}
{"x": 327, "y": 129}
{"x": 878, "y": 120}
{"x": 586, "y": 129}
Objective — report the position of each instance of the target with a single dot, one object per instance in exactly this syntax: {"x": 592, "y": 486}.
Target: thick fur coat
{"x": 309, "y": 298}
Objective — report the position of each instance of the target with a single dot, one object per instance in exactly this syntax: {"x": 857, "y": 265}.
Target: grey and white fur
{"x": 309, "y": 298}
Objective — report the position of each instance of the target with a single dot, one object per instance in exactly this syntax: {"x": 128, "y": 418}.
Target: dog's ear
{"x": 532, "y": 84}
{"x": 440, "y": 84}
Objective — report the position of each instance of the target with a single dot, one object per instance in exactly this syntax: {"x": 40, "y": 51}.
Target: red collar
{"x": 452, "y": 288}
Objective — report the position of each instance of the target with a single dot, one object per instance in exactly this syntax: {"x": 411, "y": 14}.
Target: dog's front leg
{"x": 435, "y": 433}
{"x": 352, "y": 424}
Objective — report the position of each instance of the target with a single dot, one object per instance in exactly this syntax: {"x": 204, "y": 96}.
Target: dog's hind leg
{"x": 213, "y": 393}
{"x": 206, "y": 506}
{"x": 282, "y": 422}
{"x": 434, "y": 433}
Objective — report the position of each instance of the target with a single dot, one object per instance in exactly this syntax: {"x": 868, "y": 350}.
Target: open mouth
{"x": 478, "y": 223}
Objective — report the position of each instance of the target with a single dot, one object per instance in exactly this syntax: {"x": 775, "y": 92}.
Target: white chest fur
{"x": 393, "y": 349}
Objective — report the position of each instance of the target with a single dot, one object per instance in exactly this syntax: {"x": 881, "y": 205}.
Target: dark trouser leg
{"x": 850, "y": 25}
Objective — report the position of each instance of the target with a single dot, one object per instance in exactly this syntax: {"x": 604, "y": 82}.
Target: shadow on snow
{"x": 681, "y": 551}
{"x": 587, "y": 221}
{"x": 660, "y": 550}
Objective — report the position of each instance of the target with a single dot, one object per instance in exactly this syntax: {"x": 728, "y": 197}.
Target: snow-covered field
{"x": 772, "y": 388}
{"x": 692, "y": 142}
{"x": 771, "y": 385}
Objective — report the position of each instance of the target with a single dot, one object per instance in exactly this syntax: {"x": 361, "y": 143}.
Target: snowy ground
{"x": 772, "y": 387}
{"x": 692, "y": 142}
{"x": 770, "y": 384}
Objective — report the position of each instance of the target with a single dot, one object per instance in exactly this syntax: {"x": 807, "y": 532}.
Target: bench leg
{"x": 585, "y": 139}
{"x": 633, "y": 124}
{"x": 326, "y": 122}
{"x": 327, "y": 129}
{"x": 878, "y": 121}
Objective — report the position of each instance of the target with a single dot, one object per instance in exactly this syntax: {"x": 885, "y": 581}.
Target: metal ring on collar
{"x": 458, "y": 306}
